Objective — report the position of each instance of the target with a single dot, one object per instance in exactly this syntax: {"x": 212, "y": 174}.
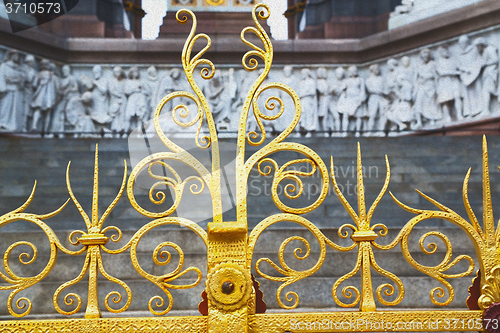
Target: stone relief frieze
{"x": 454, "y": 82}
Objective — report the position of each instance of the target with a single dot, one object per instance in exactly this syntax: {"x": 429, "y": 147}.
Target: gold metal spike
{"x": 364, "y": 236}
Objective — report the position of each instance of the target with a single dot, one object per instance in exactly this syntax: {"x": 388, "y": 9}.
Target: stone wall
{"x": 447, "y": 83}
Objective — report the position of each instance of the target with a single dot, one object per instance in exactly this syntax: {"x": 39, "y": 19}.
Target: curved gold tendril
{"x": 71, "y": 236}
{"x": 21, "y": 303}
{"x": 75, "y": 201}
{"x": 290, "y": 275}
{"x": 387, "y": 288}
{"x": 175, "y": 183}
{"x": 347, "y": 291}
{"x": 116, "y": 296}
{"x": 118, "y": 196}
{"x": 115, "y": 237}
{"x": 70, "y": 298}
{"x": 159, "y": 303}
{"x": 162, "y": 281}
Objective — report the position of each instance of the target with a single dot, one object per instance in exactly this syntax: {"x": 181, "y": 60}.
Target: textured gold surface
{"x": 377, "y": 321}
{"x": 105, "y": 325}
{"x": 485, "y": 240}
{"x": 230, "y": 247}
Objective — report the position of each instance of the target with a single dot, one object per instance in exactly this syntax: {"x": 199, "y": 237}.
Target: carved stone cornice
{"x": 319, "y": 51}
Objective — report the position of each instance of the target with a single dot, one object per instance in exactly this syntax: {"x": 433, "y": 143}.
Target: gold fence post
{"x": 229, "y": 282}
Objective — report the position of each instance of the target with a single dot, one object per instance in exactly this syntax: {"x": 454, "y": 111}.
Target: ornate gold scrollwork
{"x": 243, "y": 168}
{"x": 93, "y": 242}
{"x": 18, "y": 283}
{"x": 485, "y": 241}
{"x": 210, "y": 178}
{"x": 229, "y": 287}
{"x": 364, "y": 236}
{"x": 163, "y": 281}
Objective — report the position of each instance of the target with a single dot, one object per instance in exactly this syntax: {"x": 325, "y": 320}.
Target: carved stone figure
{"x": 99, "y": 94}
{"x": 136, "y": 107}
{"x": 168, "y": 85}
{"x": 391, "y": 80}
{"x": 151, "y": 88}
{"x": 87, "y": 83}
{"x": 470, "y": 65}
{"x": 45, "y": 97}
{"x": 400, "y": 110}
{"x": 63, "y": 116}
{"x": 448, "y": 88}
{"x": 377, "y": 103}
{"x": 245, "y": 82}
{"x": 337, "y": 87}
{"x": 307, "y": 94}
{"x": 489, "y": 75}
{"x": 12, "y": 110}
{"x": 218, "y": 97}
{"x": 230, "y": 89}
{"x": 117, "y": 101}
{"x": 350, "y": 103}
{"x": 81, "y": 107}
{"x": 29, "y": 72}
{"x": 289, "y": 79}
{"x": 323, "y": 99}
{"x": 425, "y": 91}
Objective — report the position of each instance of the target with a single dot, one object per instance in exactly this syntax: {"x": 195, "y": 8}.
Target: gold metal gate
{"x": 233, "y": 301}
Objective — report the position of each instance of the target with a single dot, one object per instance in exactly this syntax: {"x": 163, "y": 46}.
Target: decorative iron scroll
{"x": 230, "y": 290}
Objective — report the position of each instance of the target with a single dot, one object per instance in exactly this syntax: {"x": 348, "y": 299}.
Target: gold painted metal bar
{"x": 93, "y": 310}
{"x": 378, "y": 321}
{"x": 188, "y": 324}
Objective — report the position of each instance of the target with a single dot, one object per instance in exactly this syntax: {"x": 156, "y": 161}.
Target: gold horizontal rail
{"x": 342, "y": 321}
{"x": 189, "y": 324}
{"x": 379, "y": 321}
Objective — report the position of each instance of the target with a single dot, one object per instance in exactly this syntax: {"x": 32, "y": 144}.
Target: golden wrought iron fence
{"x": 232, "y": 299}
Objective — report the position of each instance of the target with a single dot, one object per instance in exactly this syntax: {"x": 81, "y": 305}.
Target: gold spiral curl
{"x": 184, "y": 113}
{"x": 290, "y": 275}
{"x": 21, "y": 256}
{"x": 157, "y": 253}
{"x": 70, "y": 298}
{"x": 18, "y": 283}
{"x": 263, "y": 14}
{"x": 440, "y": 293}
{"x": 346, "y": 291}
{"x": 159, "y": 303}
{"x": 116, "y": 296}
{"x": 298, "y": 249}
{"x": 175, "y": 182}
{"x": 162, "y": 281}
{"x": 21, "y": 303}
{"x": 350, "y": 291}
{"x": 437, "y": 271}
{"x": 115, "y": 238}
{"x": 72, "y": 295}
{"x": 72, "y": 240}
{"x": 284, "y": 173}
{"x": 270, "y": 105}
{"x": 387, "y": 288}
{"x": 344, "y": 233}
{"x": 290, "y": 296}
